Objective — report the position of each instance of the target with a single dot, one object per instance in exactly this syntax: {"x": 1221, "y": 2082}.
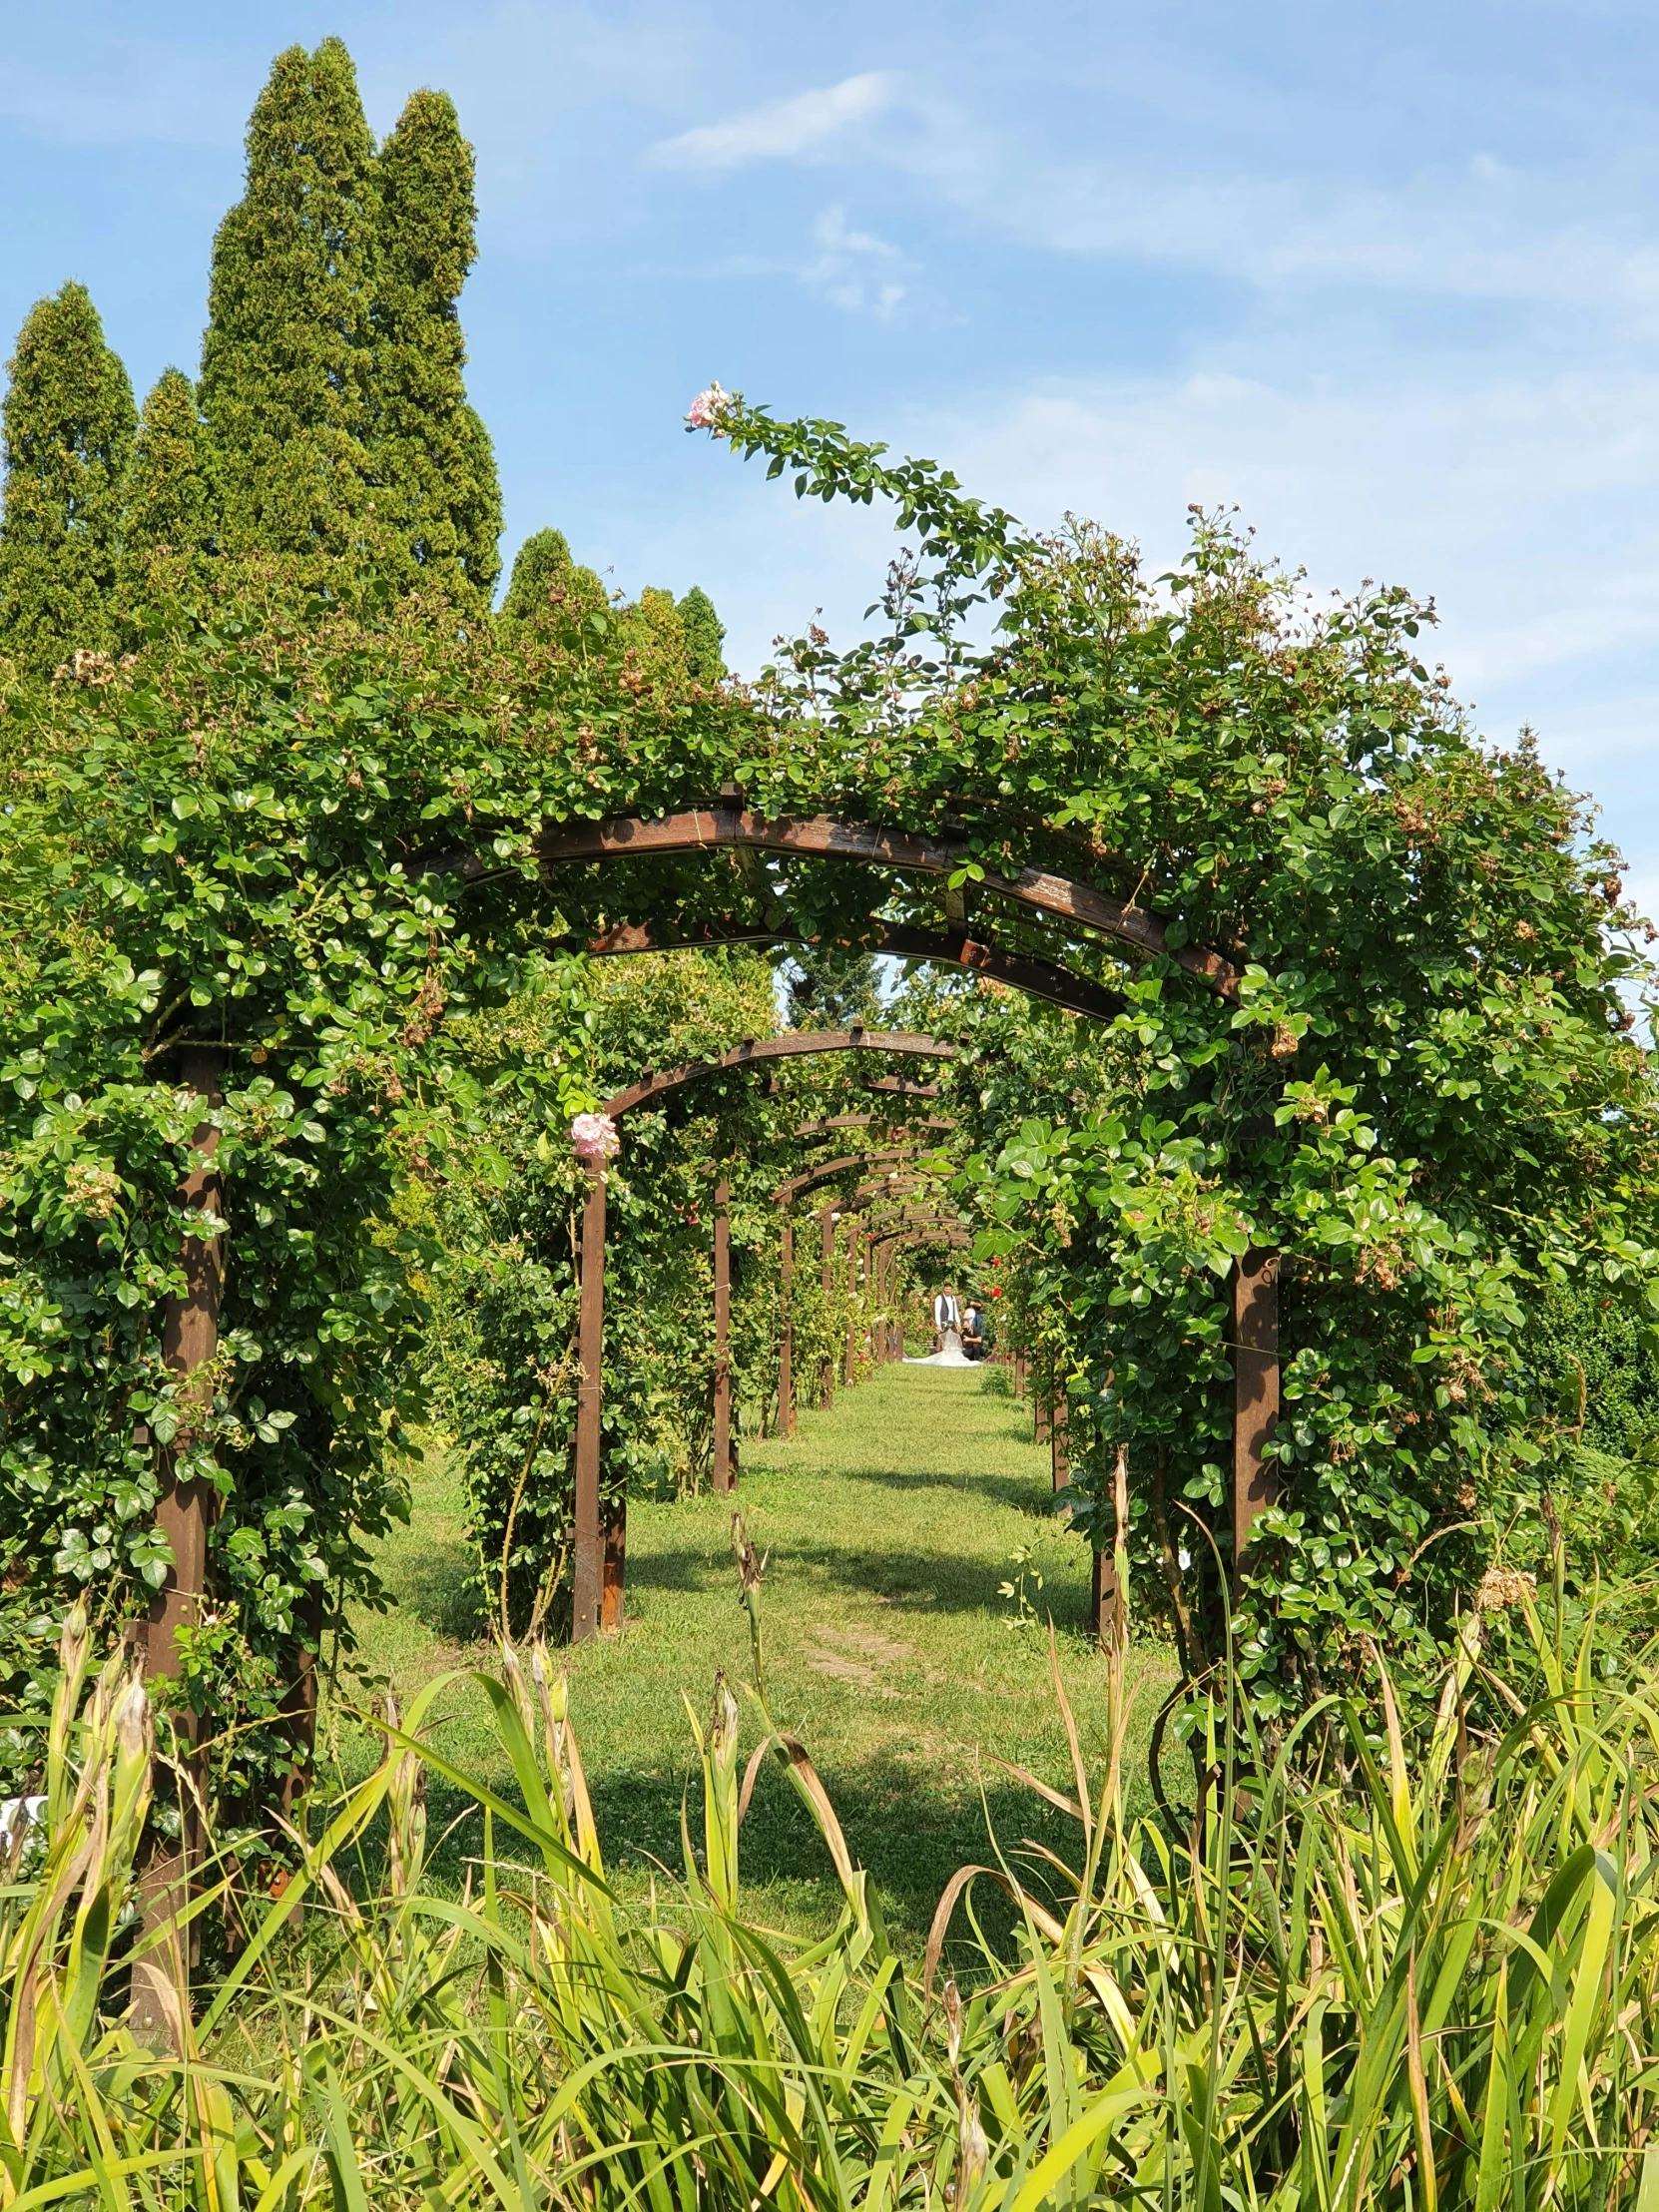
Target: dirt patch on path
{"x": 857, "y": 1656}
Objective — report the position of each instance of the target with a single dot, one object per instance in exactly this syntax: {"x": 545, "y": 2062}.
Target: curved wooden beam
{"x": 899, "y": 1086}
{"x": 831, "y": 1123}
{"x": 826, "y": 1170}
{"x": 1020, "y": 971}
{"x": 905, "y": 1043}
{"x": 705, "y": 828}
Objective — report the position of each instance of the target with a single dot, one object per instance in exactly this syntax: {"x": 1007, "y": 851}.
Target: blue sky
{"x": 1386, "y": 275}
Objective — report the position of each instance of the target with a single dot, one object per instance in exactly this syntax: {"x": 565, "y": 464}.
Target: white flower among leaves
{"x": 707, "y": 409}
{"x": 594, "y": 1139}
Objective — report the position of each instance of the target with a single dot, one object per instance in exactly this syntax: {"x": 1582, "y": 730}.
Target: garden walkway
{"x": 891, "y": 1523}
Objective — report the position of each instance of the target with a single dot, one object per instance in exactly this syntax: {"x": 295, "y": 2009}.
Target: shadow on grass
{"x": 434, "y": 1582}
{"x": 920, "y": 1579}
{"x": 1018, "y": 1493}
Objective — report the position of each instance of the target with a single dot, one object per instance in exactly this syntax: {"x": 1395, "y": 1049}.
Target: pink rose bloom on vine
{"x": 707, "y": 409}
{"x": 594, "y": 1139}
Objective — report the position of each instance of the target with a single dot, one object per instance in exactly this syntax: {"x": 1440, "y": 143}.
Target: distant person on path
{"x": 947, "y": 1320}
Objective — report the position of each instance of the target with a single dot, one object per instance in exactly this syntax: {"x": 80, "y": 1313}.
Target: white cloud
{"x": 846, "y": 266}
{"x": 781, "y": 129}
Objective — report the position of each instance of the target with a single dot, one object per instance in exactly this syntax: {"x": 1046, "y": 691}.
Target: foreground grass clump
{"x": 1435, "y": 1987}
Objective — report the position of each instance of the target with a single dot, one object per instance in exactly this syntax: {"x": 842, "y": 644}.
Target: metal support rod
{"x": 586, "y": 1574}
{"x": 190, "y": 1340}
{"x": 785, "y": 1354}
{"x": 721, "y": 1475}
{"x": 1255, "y": 1284}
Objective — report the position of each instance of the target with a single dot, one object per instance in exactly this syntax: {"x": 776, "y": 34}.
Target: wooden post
{"x": 616, "y": 1560}
{"x": 190, "y": 1340}
{"x": 826, "y": 1230}
{"x": 722, "y": 1476}
{"x": 1108, "y": 1603}
{"x": 850, "y": 1355}
{"x": 785, "y": 1354}
{"x": 1255, "y": 1394}
{"x": 1039, "y": 1407}
{"x": 588, "y": 1567}
{"x": 1059, "y": 1461}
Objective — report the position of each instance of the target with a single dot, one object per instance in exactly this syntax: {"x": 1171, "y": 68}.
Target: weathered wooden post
{"x": 786, "y": 1354}
{"x": 190, "y": 1340}
{"x": 850, "y": 1355}
{"x": 721, "y": 1475}
{"x": 614, "y": 1515}
{"x": 1255, "y": 1394}
{"x": 826, "y": 1233}
{"x": 1040, "y": 1406}
{"x": 588, "y": 1546}
{"x": 1059, "y": 1461}
{"x": 1108, "y": 1600}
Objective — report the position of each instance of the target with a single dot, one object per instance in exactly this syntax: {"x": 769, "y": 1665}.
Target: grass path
{"x": 890, "y": 1522}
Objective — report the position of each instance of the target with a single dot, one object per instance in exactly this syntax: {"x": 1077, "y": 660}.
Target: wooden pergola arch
{"x": 599, "y": 1552}
{"x": 784, "y": 1197}
{"x": 1043, "y": 892}
{"x": 833, "y": 1124}
{"x": 885, "y": 1239}
{"x": 734, "y": 827}
{"x": 1020, "y": 971}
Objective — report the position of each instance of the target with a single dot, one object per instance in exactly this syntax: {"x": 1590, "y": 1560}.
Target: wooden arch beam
{"x": 1020, "y": 971}
{"x": 818, "y": 838}
{"x": 902, "y": 1043}
{"x": 828, "y": 1170}
{"x": 833, "y": 1124}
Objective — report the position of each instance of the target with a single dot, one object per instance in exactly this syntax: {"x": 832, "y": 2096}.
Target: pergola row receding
{"x": 599, "y": 1552}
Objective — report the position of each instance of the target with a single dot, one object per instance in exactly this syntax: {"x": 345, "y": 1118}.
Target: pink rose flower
{"x": 594, "y": 1139}
{"x": 707, "y": 409}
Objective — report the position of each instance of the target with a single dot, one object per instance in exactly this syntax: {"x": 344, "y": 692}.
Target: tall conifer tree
{"x": 170, "y": 524}
{"x": 286, "y": 360}
{"x": 66, "y": 428}
{"x": 705, "y": 635}
{"x": 434, "y": 471}
{"x": 541, "y": 562}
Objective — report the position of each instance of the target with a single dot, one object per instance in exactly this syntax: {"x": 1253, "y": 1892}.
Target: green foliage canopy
{"x": 1422, "y": 1094}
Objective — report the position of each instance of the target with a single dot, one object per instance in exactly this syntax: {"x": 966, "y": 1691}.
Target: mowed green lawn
{"x": 890, "y": 1523}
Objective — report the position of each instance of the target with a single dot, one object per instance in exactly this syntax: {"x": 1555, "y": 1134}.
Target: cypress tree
{"x": 434, "y": 471}
{"x": 170, "y": 523}
{"x": 286, "y": 357}
{"x": 66, "y": 430}
{"x": 541, "y": 562}
{"x": 705, "y": 635}
{"x": 551, "y": 592}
